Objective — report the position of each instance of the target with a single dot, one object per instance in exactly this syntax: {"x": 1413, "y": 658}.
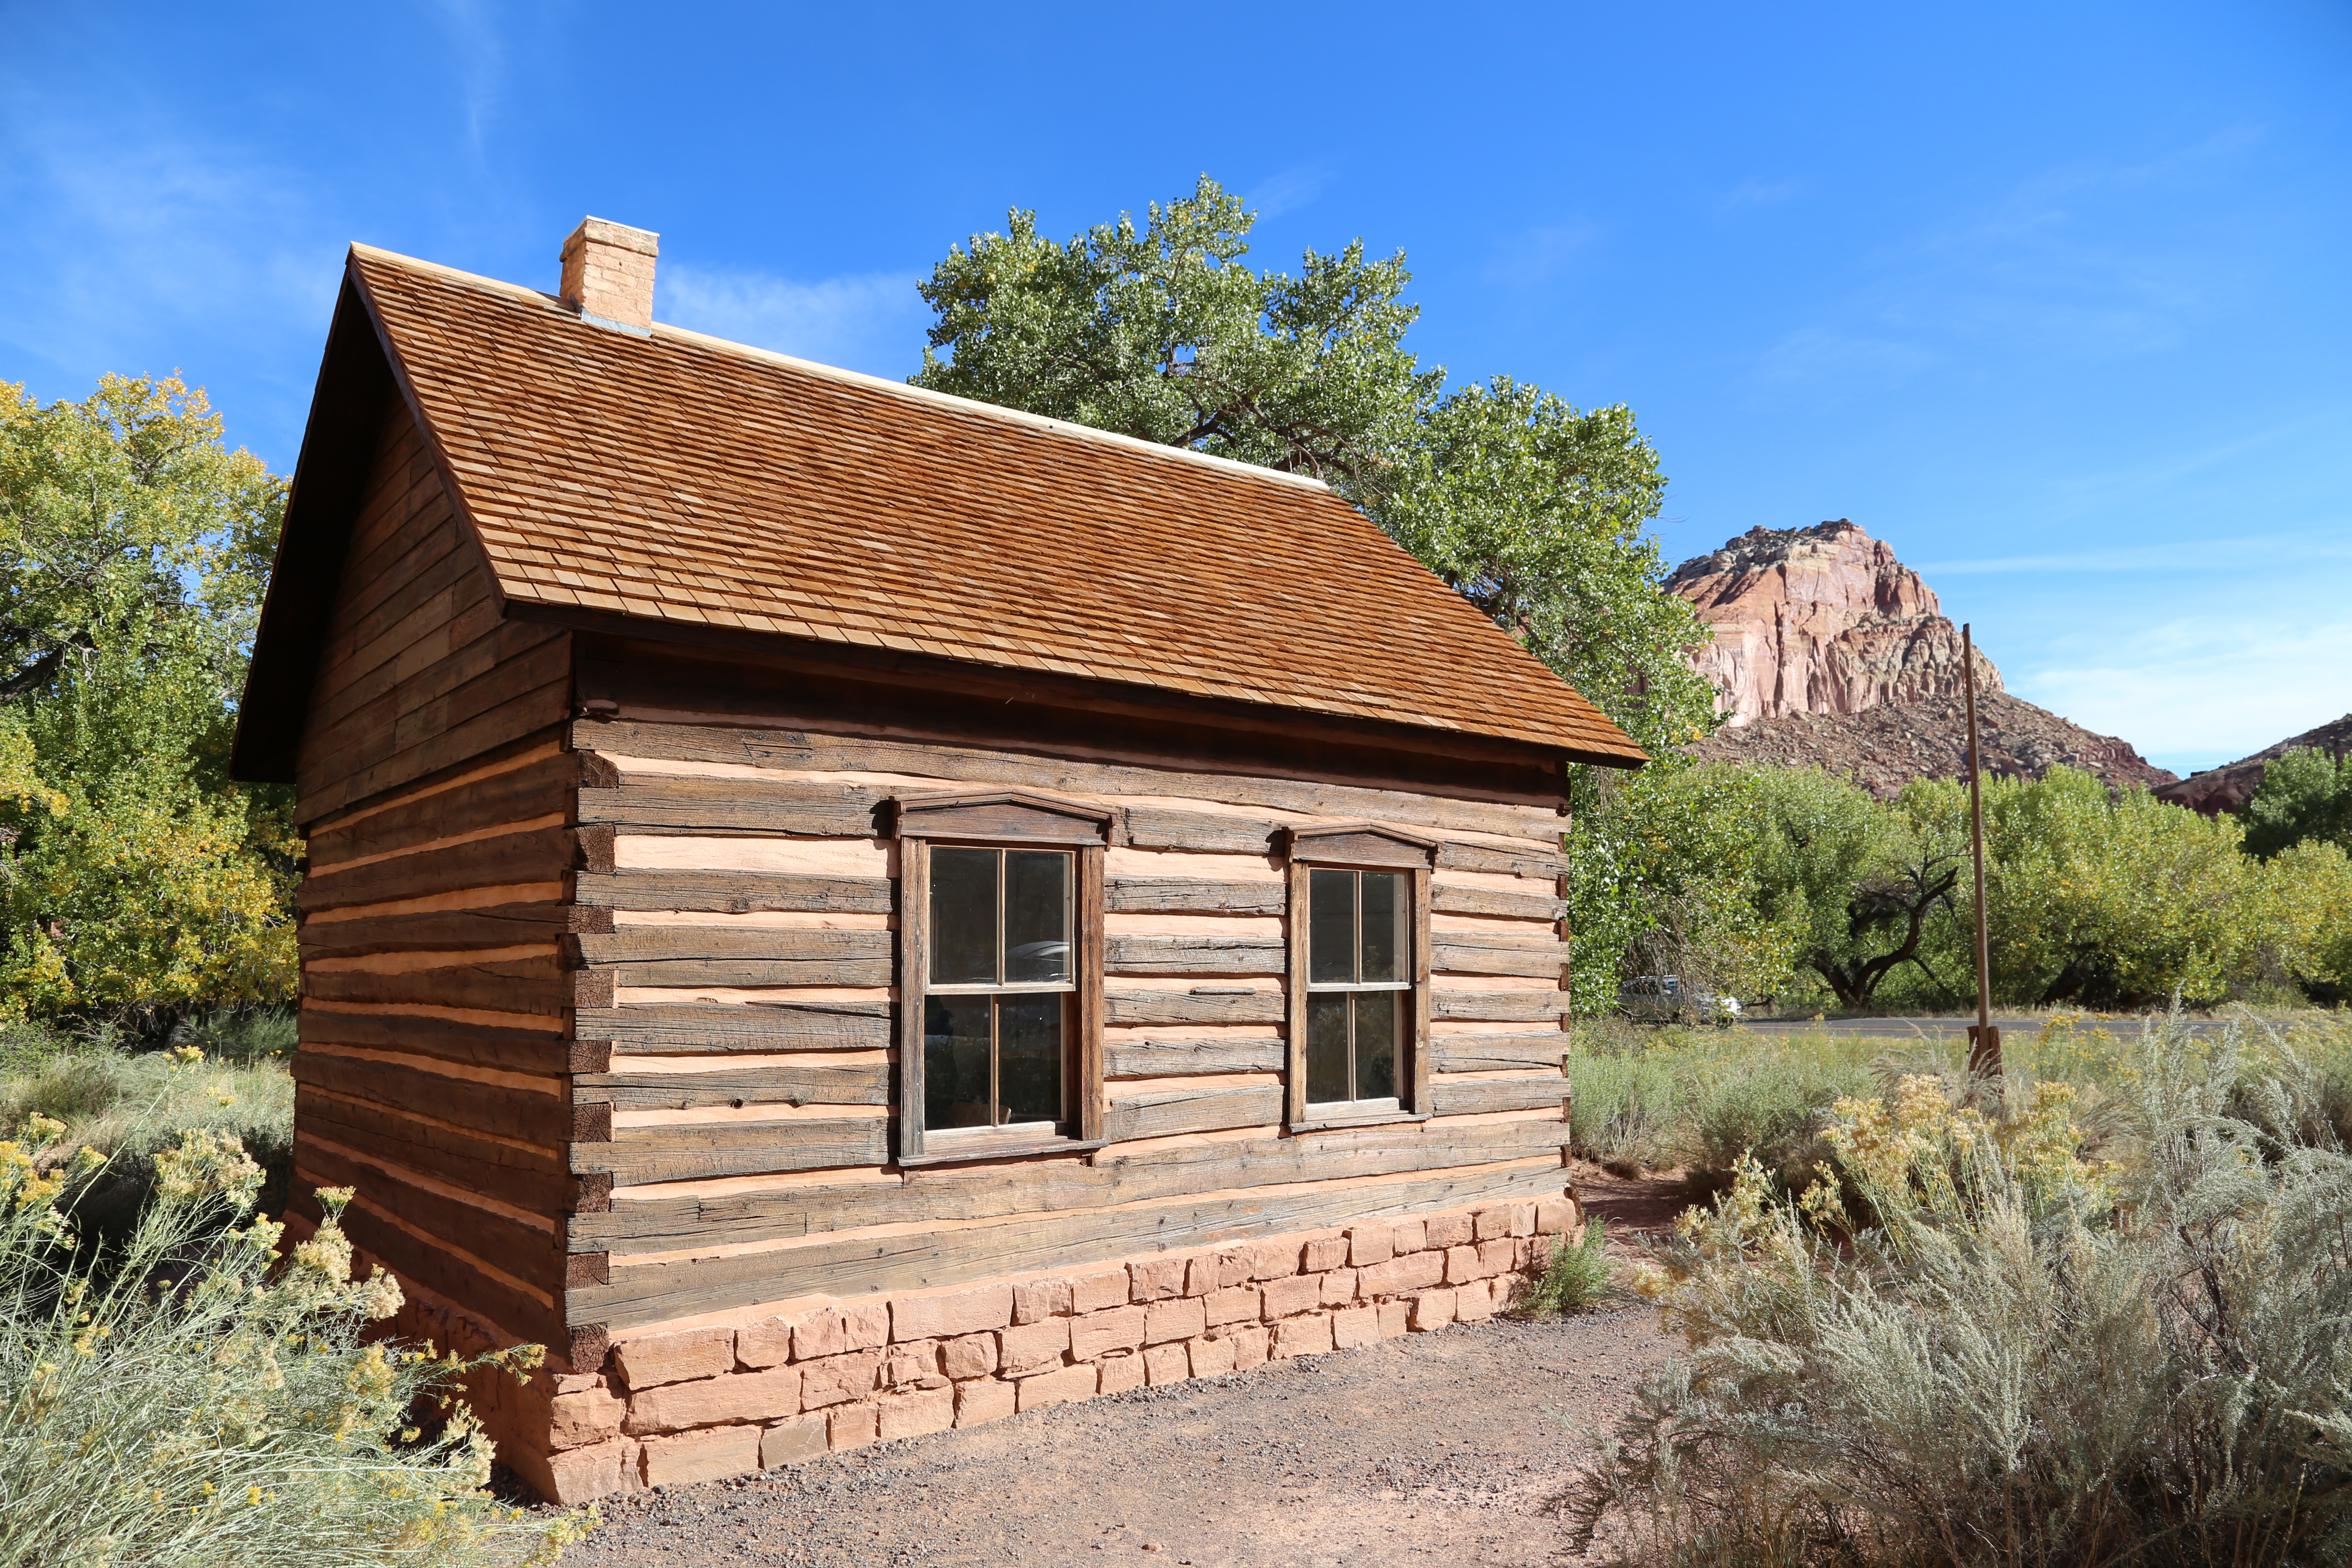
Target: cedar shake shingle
{"x": 683, "y": 478}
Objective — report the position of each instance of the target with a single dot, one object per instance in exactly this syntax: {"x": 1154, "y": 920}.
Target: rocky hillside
{"x": 2228, "y": 788}
{"x": 1830, "y": 653}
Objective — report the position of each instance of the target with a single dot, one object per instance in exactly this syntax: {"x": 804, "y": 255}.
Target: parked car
{"x": 1664, "y": 999}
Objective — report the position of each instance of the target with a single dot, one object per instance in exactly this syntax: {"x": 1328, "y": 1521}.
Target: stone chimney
{"x": 608, "y": 274}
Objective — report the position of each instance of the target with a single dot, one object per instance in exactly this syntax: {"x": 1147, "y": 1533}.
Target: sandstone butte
{"x": 1830, "y": 653}
{"x": 2231, "y": 786}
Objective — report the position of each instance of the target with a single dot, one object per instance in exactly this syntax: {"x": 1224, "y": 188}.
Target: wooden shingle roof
{"x": 675, "y": 478}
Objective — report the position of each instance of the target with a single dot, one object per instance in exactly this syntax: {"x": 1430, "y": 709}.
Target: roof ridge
{"x": 971, "y": 406}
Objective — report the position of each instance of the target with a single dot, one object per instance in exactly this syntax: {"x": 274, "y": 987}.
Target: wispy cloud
{"x": 873, "y": 321}
{"x": 1757, "y": 193}
{"x": 1287, "y": 190}
{"x": 480, "y": 56}
{"x": 2239, "y": 553}
{"x": 1537, "y": 255}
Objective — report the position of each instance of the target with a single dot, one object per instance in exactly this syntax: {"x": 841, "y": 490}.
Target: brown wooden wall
{"x": 437, "y": 794}
{"x": 742, "y": 997}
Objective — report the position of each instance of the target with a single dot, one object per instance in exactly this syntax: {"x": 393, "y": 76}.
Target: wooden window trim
{"x": 1351, "y": 846}
{"x": 946, "y": 817}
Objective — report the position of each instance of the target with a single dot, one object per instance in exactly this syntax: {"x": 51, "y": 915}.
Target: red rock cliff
{"x": 1820, "y": 620}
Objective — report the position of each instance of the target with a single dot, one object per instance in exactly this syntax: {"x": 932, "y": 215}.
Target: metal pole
{"x": 1984, "y": 1040}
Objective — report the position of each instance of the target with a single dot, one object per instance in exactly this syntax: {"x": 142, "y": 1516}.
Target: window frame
{"x": 1360, "y": 846}
{"x": 1001, "y": 820}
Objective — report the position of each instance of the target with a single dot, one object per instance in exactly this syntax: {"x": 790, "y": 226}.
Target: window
{"x": 996, "y": 1004}
{"x": 1360, "y": 962}
{"x": 1000, "y": 974}
{"x": 1358, "y": 981}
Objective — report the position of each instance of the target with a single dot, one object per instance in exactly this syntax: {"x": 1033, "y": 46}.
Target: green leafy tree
{"x": 135, "y": 880}
{"x": 2304, "y": 794}
{"x": 1167, "y": 336}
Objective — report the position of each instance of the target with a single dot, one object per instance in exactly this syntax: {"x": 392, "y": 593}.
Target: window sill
{"x": 963, "y": 1152}
{"x": 1314, "y": 1123}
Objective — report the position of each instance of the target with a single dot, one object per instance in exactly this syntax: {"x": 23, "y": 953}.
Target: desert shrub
{"x": 1701, "y": 1099}
{"x": 188, "y": 1399}
{"x": 1575, "y": 1276}
{"x": 2027, "y": 1357}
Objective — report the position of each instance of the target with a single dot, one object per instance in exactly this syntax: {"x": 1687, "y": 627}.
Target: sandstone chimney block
{"x": 608, "y": 274}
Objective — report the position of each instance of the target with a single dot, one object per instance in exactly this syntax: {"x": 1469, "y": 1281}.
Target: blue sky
{"x": 2053, "y": 298}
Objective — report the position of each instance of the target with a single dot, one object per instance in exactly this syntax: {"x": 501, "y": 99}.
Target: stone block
{"x": 916, "y": 1414}
{"x": 1094, "y": 1293}
{"x": 1166, "y": 1364}
{"x": 1370, "y": 1243}
{"x": 1432, "y": 1309}
{"x": 791, "y": 1442}
{"x": 1501, "y": 1256}
{"x": 1179, "y": 1319}
{"x": 1204, "y": 1273}
{"x": 1040, "y": 1299}
{"x": 1353, "y": 1326}
{"x": 576, "y": 1475}
{"x": 1473, "y": 1302}
{"x": 1287, "y": 1297}
{"x": 1303, "y": 1336}
{"x": 851, "y": 1426}
{"x": 711, "y": 1455}
{"x": 1396, "y": 1317}
{"x": 1556, "y": 1216}
{"x": 1028, "y": 1347}
{"x": 1063, "y": 1387}
{"x": 834, "y": 1379}
{"x": 974, "y": 1355}
{"x": 1098, "y": 1333}
{"x": 1490, "y": 1222}
{"x": 591, "y": 1415}
{"x": 1210, "y": 1357}
{"x": 1523, "y": 1217}
{"x": 656, "y": 1359}
{"x": 1156, "y": 1279}
{"x": 983, "y": 1400}
{"x": 1449, "y": 1230}
{"x": 738, "y": 1396}
{"x": 914, "y": 1364}
{"x": 1327, "y": 1250}
{"x": 839, "y": 1329}
{"x": 1409, "y": 1236}
{"x": 1235, "y": 1304}
{"x": 1338, "y": 1287}
{"x": 768, "y": 1342}
{"x": 1412, "y": 1271}
{"x": 1462, "y": 1265}
{"x": 1250, "y": 1343}
{"x": 1236, "y": 1267}
{"x": 1119, "y": 1372}
{"x": 1274, "y": 1260}
{"x": 952, "y": 1314}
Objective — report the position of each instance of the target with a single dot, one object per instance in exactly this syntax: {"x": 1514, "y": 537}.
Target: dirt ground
{"x": 1441, "y": 1448}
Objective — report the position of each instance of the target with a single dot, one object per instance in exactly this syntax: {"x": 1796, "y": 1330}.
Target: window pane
{"x": 1326, "y": 1046}
{"x": 1036, "y": 916}
{"x": 1384, "y": 941}
{"x": 1029, "y": 1058}
{"x": 963, "y": 917}
{"x": 1376, "y": 1041}
{"x": 955, "y": 1061}
{"x": 1331, "y": 927}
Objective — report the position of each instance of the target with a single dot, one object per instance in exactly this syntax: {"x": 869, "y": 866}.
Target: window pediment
{"x": 1361, "y": 844}
{"x": 1009, "y": 814}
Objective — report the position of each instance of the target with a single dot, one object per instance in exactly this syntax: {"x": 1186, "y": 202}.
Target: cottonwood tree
{"x": 2304, "y": 794}
{"x": 135, "y": 880}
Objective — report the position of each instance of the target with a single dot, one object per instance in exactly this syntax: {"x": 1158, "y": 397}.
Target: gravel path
{"x": 1429, "y": 1449}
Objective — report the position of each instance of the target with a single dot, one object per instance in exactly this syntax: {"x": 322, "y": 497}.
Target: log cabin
{"x": 845, "y": 911}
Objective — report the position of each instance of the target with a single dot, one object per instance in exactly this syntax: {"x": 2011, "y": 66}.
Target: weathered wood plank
{"x": 1451, "y": 898}
{"x": 659, "y": 804}
{"x": 437, "y": 1268}
{"x": 488, "y": 1108}
{"x": 528, "y": 1178}
{"x": 532, "y": 855}
{"x": 1193, "y": 954}
{"x": 512, "y": 985}
{"x": 1498, "y": 1052}
{"x": 947, "y": 1193}
{"x": 527, "y": 1252}
{"x": 735, "y": 892}
{"x": 692, "y": 1150}
{"x": 1201, "y": 832}
{"x": 781, "y": 1027}
{"x": 1480, "y": 953}
{"x": 499, "y": 925}
{"x": 814, "y": 1083}
{"x": 1535, "y": 861}
{"x": 726, "y": 955}
{"x": 866, "y": 1265}
{"x": 535, "y": 789}
{"x": 1158, "y": 1113}
{"x": 1202, "y": 1005}
{"x": 1191, "y": 895}
{"x": 1125, "y": 1056}
{"x": 787, "y": 749}
{"x": 1478, "y": 1096}
{"x": 516, "y": 1049}
{"x": 1497, "y": 1006}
